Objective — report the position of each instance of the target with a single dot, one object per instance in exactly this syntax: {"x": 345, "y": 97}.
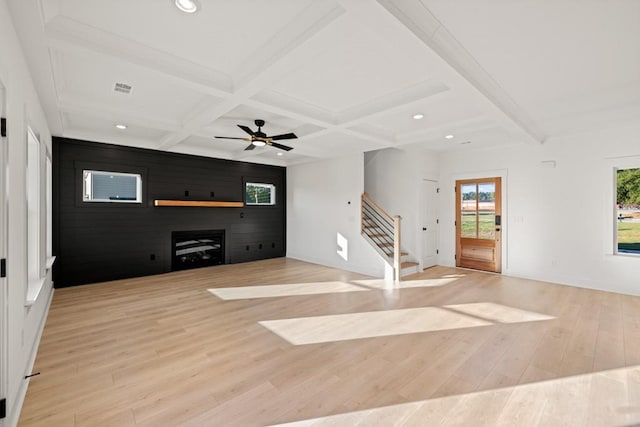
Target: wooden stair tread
{"x": 401, "y": 254}
{"x": 408, "y": 264}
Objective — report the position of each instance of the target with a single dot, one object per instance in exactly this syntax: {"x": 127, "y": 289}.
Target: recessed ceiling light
{"x": 187, "y": 6}
{"x": 280, "y": 154}
{"x": 418, "y": 116}
{"x": 449, "y": 136}
{"x": 121, "y": 127}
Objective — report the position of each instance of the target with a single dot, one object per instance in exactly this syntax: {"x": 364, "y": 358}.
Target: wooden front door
{"x": 478, "y": 224}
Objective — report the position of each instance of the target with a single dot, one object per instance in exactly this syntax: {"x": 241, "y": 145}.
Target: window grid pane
{"x": 102, "y": 186}
{"x": 469, "y": 206}
{"x": 487, "y": 211}
{"x": 260, "y": 194}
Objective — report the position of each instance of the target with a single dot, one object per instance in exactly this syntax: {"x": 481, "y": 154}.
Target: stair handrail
{"x": 367, "y": 199}
{"x": 392, "y": 221}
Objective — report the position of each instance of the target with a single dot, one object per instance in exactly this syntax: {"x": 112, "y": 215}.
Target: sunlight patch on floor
{"x": 600, "y": 398}
{"x": 270, "y": 291}
{"x": 404, "y": 284}
{"x": 342, "y": 327}
{"x": 498, "y": 312}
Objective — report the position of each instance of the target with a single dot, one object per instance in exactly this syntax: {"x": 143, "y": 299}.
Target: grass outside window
{"x": 629, "y": 237}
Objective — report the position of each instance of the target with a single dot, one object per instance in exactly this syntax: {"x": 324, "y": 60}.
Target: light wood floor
{"x": 164, "y": 350}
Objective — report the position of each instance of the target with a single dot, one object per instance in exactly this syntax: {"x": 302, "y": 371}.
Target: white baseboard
{"x": 367, "y": 270}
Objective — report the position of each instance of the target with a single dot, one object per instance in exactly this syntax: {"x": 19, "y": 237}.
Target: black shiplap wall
{"x": 96, "y": 242}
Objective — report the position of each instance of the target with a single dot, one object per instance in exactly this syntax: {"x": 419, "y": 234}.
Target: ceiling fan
{"x": 259, "y": 138}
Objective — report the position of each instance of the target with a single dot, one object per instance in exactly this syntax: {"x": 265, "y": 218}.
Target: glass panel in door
{"x": 487, "y": 210}
{"x": 469, "y": 210}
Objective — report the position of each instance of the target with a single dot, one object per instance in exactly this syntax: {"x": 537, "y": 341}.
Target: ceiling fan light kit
{"x": 260, "y": 139}
{"x": 187, "y": 6}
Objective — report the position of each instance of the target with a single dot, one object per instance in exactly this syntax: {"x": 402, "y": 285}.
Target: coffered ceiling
{"x": 344, "y": 75}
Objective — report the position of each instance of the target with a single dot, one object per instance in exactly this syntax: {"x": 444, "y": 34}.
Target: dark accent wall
{"x": 96, "y": 242}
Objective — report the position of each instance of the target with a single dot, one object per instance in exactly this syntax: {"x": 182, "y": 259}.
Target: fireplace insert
{"x": 196, "y": 248}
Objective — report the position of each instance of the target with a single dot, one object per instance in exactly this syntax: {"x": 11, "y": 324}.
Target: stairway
{"x": 382, "y": 231}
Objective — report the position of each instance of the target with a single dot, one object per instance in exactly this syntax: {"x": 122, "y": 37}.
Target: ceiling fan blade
{"x": 283, "y": 136}
{"x": 250, "y": 147}
{"x": 280, "y": 146}
{"x": 246, "y": 129}
{"x": 231, "y": 137}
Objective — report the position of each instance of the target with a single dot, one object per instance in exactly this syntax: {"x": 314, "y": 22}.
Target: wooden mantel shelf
{"x": 199, "y": 203}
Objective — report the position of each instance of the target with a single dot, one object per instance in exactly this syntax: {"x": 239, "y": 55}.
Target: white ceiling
{"x": 344, "y": 75}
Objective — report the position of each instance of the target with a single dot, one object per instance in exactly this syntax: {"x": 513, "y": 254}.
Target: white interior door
{"x": 4, "y": 312}
{"x": 429, "y": 233}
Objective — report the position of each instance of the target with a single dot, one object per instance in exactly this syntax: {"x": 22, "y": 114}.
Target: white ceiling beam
{"x": 117, "y": 115}
{"x": 395, "y": 101}
{"x": 414, "y": 15}
{"x": 349, "y": 121}
{"x": 281, "y": 104}
{"x": 33, "y": 39}
{"x": 68, "y": 35}
{"x": 382, "y": 139}
{"x": 480, "y": 122}
{"x": 199, "y": 119}
{"x": 49, "y": 9}
{"x": 264, "y": 66}
{"x": 300, "y": 149}
{"x": 376, "y": 134}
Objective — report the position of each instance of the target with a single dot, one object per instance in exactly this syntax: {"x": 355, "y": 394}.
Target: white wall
{"x": 559, "y": 225}
{"x": 318, "y": 196}
{"x": 393, "y": 179}
{"x": 23, "y": 323}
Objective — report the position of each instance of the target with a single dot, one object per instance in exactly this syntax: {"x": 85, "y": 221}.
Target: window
{"x": 628, "y": 211}
{"x": 35, "y": 226}
{"x": 33, "y": 206}
{"x": 259, "y": 194}
{"x": 117, "y": 187}
{"x": 49, "y": 207}
{"x": 478, "y": 210}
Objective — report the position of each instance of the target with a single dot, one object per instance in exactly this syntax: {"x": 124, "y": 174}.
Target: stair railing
{"x": 382, "y": 230}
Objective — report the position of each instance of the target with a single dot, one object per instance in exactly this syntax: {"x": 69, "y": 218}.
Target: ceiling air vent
{"x": 122, "y": 88}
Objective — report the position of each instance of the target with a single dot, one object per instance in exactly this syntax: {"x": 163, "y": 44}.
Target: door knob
{"x": 424, "y": 228}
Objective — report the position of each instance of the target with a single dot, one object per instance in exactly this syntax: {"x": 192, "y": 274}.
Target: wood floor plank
{"x": 164, "y": 350}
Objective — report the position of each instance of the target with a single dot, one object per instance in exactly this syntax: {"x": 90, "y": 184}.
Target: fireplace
{"x": 196, "y": 248}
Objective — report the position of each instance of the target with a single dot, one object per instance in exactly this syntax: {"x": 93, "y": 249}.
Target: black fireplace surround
{"x": 196, "y": 248}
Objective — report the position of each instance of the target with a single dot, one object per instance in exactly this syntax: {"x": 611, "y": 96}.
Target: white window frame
{"x": 629, "y": 163}
{"x": 272, "y": 201}
{"x": 35, "y": 226}
{"x": 49, "y": 210}
{"x": 87, "y": 174}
